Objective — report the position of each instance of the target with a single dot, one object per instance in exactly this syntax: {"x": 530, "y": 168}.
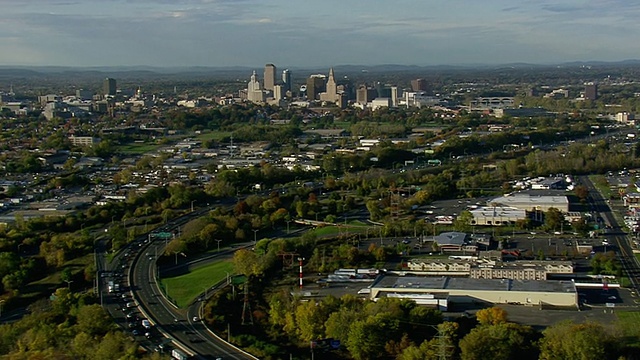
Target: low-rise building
{"x": 470, "y": 291}
{"x": 532, "y": 202}
{"x": 497, "y": 216}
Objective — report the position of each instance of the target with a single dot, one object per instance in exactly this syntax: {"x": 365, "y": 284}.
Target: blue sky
{"x": 315, "y": 33}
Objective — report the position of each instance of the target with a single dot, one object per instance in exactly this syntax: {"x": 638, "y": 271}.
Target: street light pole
{"x": 192, "y": 201}
{"x": 218, "y": 240}
{"x": 255, "y": 236}
{"x": 1, "y": 302}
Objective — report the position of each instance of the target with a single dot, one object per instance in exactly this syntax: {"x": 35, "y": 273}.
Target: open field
{"x": 351, "y": 227}
{"x": 600, "y": 182}
{"x": 213, "y": 135}
{"x": 141, "y": 148}
{"x": 185, "y": 288}
{"x": 628, "y": 324}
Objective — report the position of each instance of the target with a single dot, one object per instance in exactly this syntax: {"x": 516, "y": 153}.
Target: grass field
{"x": 213, "y": 135}
{"x": 351, "y": 227}
{"x": 185, "y": 288}
{"x": 138, "y": 148}
{"x": 628, "y": 322}
{"x": 599, "y": 182}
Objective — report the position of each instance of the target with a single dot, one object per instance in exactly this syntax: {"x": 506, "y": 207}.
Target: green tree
{"x": 367, "y": 337}
{"x": 566, "y": 340}
{"x": 94, "y": 320}
{"x": 463, "y": 221}
{"x": 553, "y": 219}
{"x": 503, "y": 341}
{"x": 247, "y": 262}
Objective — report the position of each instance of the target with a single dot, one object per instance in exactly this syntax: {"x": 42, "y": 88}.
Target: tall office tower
{"x": 269, "y": 76}
{"x": 365, "y": 94}
{"x": 590, "y": 91}
{"x": 331, "y": 93}
{"x": 277, "y": 92}
{"x": 286, "y": 80}
{"x": 254, "y": 92}
{"x": 394, "y": 96}
{"x": 315, "y": 85}
{"x": 109, "y": 86}
{"x": 419, "y": 85}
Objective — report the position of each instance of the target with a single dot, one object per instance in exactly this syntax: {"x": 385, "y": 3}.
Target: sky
{"x": 299, "y": 33}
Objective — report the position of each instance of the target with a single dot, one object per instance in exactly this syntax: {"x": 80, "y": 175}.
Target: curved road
{"x": 171, "y": 322}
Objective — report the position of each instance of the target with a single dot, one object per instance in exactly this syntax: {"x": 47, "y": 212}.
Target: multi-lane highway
{"x": 134, "y": 268}
{"x": 615, "y": 234}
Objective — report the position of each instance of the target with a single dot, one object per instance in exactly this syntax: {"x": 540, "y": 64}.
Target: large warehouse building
{"x": 530, "y": 202}
{"x": 442, "y": 291}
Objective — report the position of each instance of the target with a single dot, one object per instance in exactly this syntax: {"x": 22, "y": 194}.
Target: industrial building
{"x": 442, "y": 292}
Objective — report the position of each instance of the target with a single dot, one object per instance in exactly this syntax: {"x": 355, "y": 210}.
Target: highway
{"x": 615, "y": 233}
{"x": 134, "y": 268}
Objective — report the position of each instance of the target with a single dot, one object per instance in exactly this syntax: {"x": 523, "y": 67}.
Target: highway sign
{"x": 163, "y": 235}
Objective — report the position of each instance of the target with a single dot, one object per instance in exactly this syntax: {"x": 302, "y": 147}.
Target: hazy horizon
{"x": 313, "y": 34}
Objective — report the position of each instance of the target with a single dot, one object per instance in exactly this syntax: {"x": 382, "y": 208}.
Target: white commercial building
{"x": 499, "y": 215}
{"x": 530, "y": 202}
{"x": 464, "y": 290}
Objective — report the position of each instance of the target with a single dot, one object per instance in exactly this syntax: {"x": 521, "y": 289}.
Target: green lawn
{"x": 185, "y": 288}
{"x": 213, "y": 135}
{"x": 599, "y": 182}
{"x": 44, "y": 287}
{"x": 138, "y": 148}
{"x": 351, "y": 227}
{"x": 628, "y": 323}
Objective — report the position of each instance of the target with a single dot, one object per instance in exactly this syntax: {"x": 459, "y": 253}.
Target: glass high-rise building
{"x": 286, "y": 80}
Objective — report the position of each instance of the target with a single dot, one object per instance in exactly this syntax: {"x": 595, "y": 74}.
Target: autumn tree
{"x": 503, "y": 341}
{"x": 566, "y": 340}
{"x": 491, "y": 316}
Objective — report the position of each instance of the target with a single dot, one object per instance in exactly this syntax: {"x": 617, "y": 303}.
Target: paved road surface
{"x": 615, "y": 235}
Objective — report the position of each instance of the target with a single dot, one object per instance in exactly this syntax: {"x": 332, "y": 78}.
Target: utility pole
{"x": 300, "y": 260}
{"x": 246, "y": 308}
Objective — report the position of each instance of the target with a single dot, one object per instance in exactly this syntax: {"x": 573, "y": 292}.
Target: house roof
{"x": 451, "y": 238}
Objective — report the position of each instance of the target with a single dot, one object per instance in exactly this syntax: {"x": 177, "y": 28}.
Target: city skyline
{"x": 252, "y": 33}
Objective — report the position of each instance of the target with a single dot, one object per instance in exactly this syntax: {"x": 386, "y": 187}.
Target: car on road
{"x": 135, "y": 332}
{"x": 196, "y": 319}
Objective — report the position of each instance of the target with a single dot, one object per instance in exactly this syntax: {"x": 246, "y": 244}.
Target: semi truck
{"x": 111, "y": 286}
{"x": 178, "y": 354}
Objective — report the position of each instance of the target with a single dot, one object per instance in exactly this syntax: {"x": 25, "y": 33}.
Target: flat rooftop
{"x": 449, "y": 283}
